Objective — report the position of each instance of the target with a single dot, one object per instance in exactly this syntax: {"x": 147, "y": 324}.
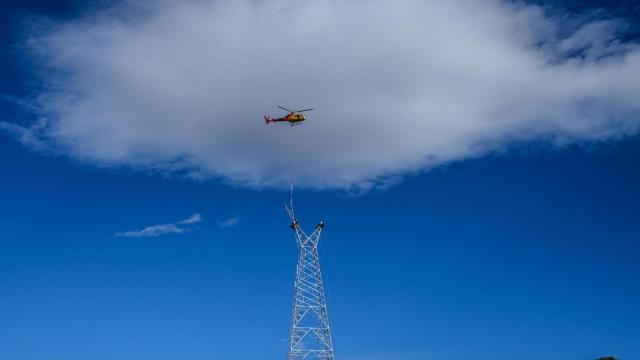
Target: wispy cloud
{"x": 28, "y": 136}
{"x": 230, "y": 222}
{"x": 195, "y": 218}
{"x": 179, "y": 227}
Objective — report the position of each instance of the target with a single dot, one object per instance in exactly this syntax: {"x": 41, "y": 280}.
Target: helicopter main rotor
{"x": 291, "y": 111}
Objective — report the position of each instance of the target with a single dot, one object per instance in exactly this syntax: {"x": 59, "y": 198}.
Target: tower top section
{"x": 295, "y": 224}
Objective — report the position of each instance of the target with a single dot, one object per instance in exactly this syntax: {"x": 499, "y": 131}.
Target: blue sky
{"x": 528, "y": 250}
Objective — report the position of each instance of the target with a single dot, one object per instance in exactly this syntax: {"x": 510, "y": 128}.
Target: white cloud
{"x": 163, "y": 229}
{"x": 230, "y": 222}
{"x": 398, "y": 86}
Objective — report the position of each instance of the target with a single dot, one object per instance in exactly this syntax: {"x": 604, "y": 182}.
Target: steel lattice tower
{"x": 309, "y": 336}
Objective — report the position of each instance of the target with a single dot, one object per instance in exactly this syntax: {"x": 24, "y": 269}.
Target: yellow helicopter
{"x": 293, "y": 117}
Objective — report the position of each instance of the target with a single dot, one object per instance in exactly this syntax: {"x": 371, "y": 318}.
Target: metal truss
{"x": 309, "y": 336}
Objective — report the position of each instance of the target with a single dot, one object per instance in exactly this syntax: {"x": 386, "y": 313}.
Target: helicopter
{"x": 293, "y": 117}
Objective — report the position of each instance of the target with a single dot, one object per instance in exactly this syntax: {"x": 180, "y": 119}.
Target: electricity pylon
{"x": 309, "y": 336}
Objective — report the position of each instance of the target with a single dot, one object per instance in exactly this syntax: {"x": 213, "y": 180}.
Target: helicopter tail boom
{"x": 268, "y": 119}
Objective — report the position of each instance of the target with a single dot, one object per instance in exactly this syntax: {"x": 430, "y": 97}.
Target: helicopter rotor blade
{"x": 284, "y": 108}
{"x": 299, "y": 111}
